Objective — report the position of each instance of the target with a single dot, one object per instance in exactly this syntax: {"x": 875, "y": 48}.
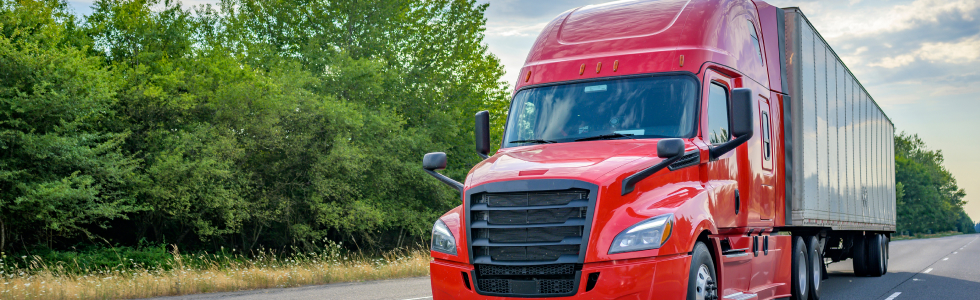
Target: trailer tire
{"x": 877, "y": 260}
{"x": 800, "y": 268}
{"x": 816, "y": 266}
{"x": 887, "y": 239}
{"x": 859, "y": 255}
{"x": 702, "y": 281}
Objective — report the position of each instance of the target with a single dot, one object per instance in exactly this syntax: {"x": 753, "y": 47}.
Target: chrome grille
{"x": 529, "y": 243}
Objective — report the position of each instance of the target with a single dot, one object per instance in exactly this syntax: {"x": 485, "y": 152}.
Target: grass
{"x": 35, "y": 278}
{"x": 924, "y": 235}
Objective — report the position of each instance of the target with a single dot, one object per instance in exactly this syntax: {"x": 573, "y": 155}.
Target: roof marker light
{"x": 598, "y": 67}
{"x": 528, "y": 77}
{"x": 615, "y": 66}
{"x": 682, "y": 60}
{"x": 581, "y": 70}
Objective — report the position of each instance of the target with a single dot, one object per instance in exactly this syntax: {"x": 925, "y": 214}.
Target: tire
{"x": 801, "y": 266}
{"x": 860, "y": 256}
{"x": 876, "y": 255}
{"x": 702, "y": 279}
{"x": 816, "y": 266}
{"x": 887, "y": 248}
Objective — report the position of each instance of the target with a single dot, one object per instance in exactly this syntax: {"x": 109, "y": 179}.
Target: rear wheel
{"x": 859, "y": 253}
{"x": 800, "y": 270}
{"x": 702, "y": 281}
{"x": 816, "y": 266}
{"x": 877, "y": 260}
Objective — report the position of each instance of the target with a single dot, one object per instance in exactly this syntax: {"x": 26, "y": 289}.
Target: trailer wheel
{"x": 877, "y": 259}
{"x": 702, "y": 281}
{"x": 816, "y": 266}
{"x": 800, "y": 270}
{"x": 859, "y": 255}
{"x": 887, "y": 240}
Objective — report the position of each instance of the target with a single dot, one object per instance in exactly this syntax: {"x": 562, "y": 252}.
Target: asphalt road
{"x": 939, "y": 268}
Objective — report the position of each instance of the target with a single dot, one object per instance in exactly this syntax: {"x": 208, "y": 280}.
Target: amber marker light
{"x": 528, "y": 77}
{"x": 598, "y": 67}
{"x": 682, "y": 60}
{"x": 581, "y": 70}
{"x": 615, "y": 66}
{"x": 667, "y": 229}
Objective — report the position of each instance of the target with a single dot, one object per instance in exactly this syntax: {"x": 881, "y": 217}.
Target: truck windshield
{"x": 645, "y": 107}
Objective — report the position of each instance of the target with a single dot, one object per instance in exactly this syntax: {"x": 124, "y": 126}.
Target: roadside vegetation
{"x": 121, "y": 273}
{"x": 252, "y": 124}
{"x": 900, "y": 237}
{"x": 928, "y": 199}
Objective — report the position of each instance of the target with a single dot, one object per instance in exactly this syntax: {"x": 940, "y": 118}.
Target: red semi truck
{"x": 672, "y": 149}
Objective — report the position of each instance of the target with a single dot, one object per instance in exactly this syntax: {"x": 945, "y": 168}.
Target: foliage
{"x": 253, "y": 123}
{"x": 63, "y": 171}
{"x": 928, "y": 197}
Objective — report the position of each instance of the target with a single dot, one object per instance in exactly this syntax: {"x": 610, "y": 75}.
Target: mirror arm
{"x": 455, "y": 184}
{"x": 483, "y": 156}
{"x": 716, "y": 152}
{"x": 630, "y": 182}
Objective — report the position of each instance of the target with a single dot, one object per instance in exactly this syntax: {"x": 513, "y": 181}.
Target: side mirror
{"x": 482, "y": 133}
{"x": 742, "y": 115}
{"x": 434, "y": 161}
{"x": 437, "y": 161}
{"x": 742, "y": 112}
{"x": 668, "y": 148}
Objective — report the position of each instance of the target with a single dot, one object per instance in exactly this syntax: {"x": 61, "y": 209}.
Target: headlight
{"x": 442, "y": 239}
{"x": 646, "y": 235}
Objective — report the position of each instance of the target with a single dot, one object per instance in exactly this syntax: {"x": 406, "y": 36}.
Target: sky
{"x": 919, "y": 59}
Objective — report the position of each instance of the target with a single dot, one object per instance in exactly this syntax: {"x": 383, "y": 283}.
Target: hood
{"x": 587, "y": 161}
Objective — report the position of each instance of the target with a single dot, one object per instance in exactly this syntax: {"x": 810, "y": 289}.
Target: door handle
{"x": 738, "y": 203}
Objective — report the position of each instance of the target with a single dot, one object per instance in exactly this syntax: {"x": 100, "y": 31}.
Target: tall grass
{"x": 32, "y": 277}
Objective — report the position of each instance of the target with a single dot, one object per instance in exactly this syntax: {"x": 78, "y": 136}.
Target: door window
{"x": 718, "y": 114}
{"x": 766, "y": 141}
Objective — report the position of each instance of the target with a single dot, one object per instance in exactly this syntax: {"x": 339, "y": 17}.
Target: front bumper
{"x": 634, "y": 279}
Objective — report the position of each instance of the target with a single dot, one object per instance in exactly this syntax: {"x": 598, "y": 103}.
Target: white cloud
{"x": 836, "y": 20}
{"x": 515, "y": 30}
{"x": 964, "y": 51}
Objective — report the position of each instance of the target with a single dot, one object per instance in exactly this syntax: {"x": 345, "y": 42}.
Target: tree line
{"x": 928, "y": 198}
{"x": 250, "y": 123}
{"x": 265, "y": 123}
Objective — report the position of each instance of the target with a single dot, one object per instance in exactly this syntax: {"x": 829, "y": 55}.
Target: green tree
{"x": 929, "y": 198}
{"x": 63, "y": 171}
{"x": 250, "y": 123}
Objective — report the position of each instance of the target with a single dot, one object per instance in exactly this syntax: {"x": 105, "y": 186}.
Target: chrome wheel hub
{"x": 705, "y": 287}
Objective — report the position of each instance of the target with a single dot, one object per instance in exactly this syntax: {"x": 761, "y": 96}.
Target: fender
{"x": 684, "y": 197}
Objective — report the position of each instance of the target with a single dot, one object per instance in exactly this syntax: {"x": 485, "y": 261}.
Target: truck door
{"x": 721, "y": 179}
{"x": 720, "y": 176}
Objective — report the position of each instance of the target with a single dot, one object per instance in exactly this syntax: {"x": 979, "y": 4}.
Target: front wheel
{"x": 702, "y": 281}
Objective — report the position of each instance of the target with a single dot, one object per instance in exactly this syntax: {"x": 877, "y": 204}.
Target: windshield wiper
{"x": 604, "y": 137}
{"x": 534, "y": 141}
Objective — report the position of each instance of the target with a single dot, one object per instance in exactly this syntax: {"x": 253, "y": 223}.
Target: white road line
{"x": 420, "y": 298}
{"x": 954, "y": 252}
{"x": 927, "y": 271}
{"x": 945, "y": 259}
{"x": 892, "y": 297}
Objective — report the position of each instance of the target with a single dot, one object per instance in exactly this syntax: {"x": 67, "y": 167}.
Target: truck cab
{"x": 644, "y": 157}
